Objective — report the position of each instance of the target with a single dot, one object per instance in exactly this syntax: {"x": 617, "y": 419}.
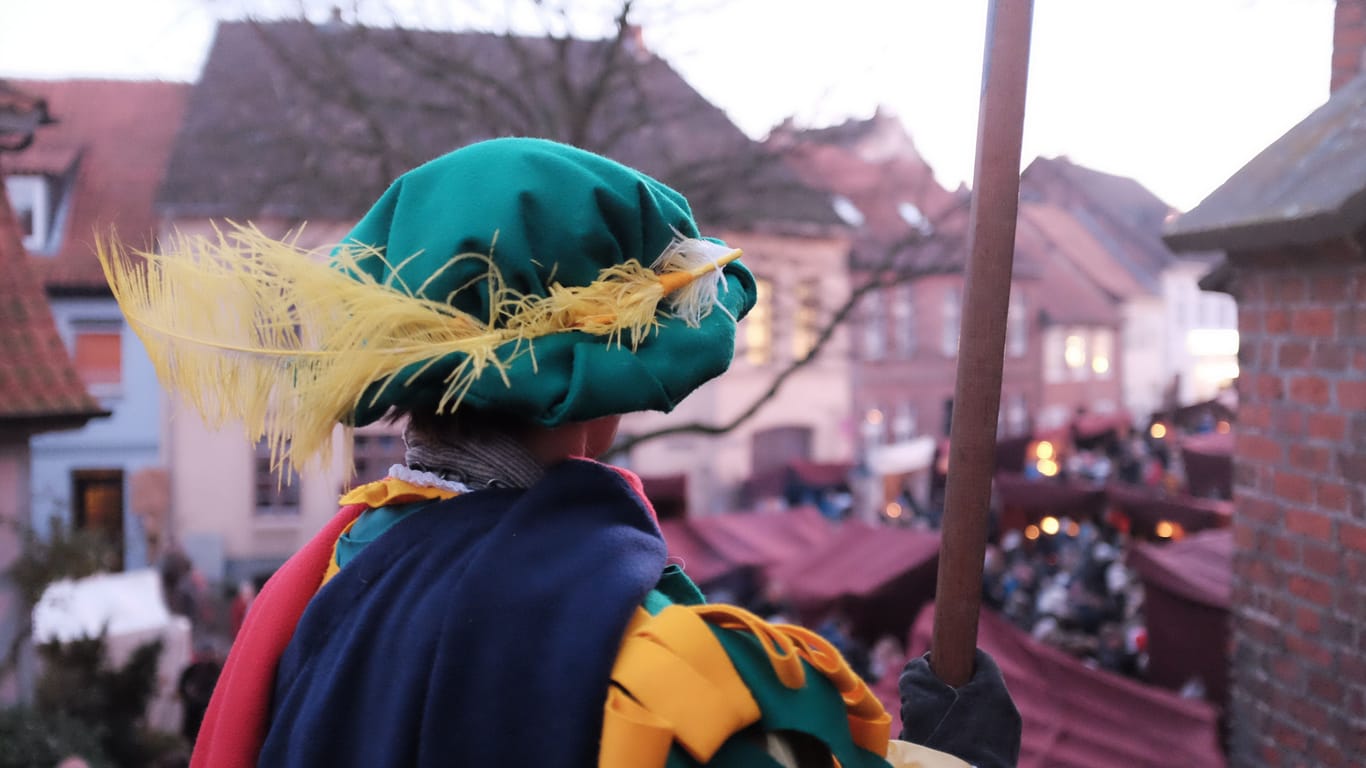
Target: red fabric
{"x": 1187, "y": 586}
{"x": 763, "y": 540}
{"x": 1077, "y": 717}
{"x": 699, "y": 560}
{"x": 878, "y": 576}
{"x": 1146, "y": 506}
{"x": 235, "y": 725}
{"x": 1074, "y": 498}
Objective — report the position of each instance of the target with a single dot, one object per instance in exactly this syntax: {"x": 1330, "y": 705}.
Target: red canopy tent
{"x": 1187, "y": 585}
{"x": 879, "y": 577}
{"x": 699, "y": 560}
{"x": 761, "y": 540}
{"x": 1208, "y": 459}
{"x": 1146, "y": 507}
{"x": 1077, "y": 717}
{"x": 1024, "y": 501}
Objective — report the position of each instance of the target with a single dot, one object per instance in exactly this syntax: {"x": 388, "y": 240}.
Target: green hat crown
{"x": 545, "y": 214}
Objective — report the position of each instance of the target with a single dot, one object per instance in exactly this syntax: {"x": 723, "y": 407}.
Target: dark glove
{"x": 976, "y": 722}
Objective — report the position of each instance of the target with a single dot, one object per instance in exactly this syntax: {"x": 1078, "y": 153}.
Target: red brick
{"x": 1259, "y": 449}
{"x": 1321, "y": 560}
{"x": 1329, "y": 288}
{"x": 1293, "y": 354}
{"x": 1253, "y": 416}
{"x": 1260, "y": 511}
{"x": 1288, "y": 671}
{"x": 1353, "y": 466}
{"x": 1308, "y": 620}
{"x": 1327, "y": 426}
{"x": 1332, "y": 496}
{"x": 1311, "y": 390}
{"x": 1315, "y": 525}
{"x": 1332, "y": 358}
{"x": 1287, "y": 288}
{"x": 1286, "y": 550}
{"x": 1351, "y": 395}
{"x": 1359, "y": 361}
{"x": 1310, "y": 713}
{"x": 1273, "y": 320}
{"x": 1288, "y": 419}
{"x": 1320, "y": 322}
{"x": 1268, "y": 387}
{"x": 1294, "y": 487}
{"x": 1261, "y": 573}
{"x": 1308, "y": 651}
{"x": 1328, "y": 754}
{"x": 1309, "y": 458}
{"x": 1352, "y": 535}
{"x": 1316, "y": 591}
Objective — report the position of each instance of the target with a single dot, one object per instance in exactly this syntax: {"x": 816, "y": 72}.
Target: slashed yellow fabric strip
{"x": 378, "y": 494}
{"x": 673, "y": 669}
{"x": 391, "y": 490}
{"x": 788, "y": 645}
{"x": 673, "y": 681}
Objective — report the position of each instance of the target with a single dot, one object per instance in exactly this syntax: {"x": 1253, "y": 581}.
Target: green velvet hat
{"x": 548, "y": 216}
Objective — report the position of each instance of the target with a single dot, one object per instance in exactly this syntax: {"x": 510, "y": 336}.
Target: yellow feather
{"x": 258, "y": 330}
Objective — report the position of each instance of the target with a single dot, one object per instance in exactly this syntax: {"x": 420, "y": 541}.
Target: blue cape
{"x": 480, "y": 631}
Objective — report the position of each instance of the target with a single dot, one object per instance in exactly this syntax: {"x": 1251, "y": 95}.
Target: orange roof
{"x": 119, "y": 135}
{"x": 39, "y": 388}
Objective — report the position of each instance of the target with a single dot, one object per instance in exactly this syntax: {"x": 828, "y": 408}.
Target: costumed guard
{"x": 501, "y": 599}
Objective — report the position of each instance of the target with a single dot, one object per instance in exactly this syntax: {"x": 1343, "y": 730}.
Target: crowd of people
{"x": 1073, "y": 591}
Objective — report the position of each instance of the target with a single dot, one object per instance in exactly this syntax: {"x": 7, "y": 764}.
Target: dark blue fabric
{"x": 480, "y": 631}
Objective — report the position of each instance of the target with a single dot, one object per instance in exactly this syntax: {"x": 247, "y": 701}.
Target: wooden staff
{"x": 986, "y": 297}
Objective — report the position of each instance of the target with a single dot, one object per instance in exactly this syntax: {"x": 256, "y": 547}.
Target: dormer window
{"x": 31, "y": 199}
{"x": 847, "y": 211}
{"x": 911, "y": 214}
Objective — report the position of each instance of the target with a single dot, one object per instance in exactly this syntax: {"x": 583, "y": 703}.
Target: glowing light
{"x": 1158, "y": 431}
{"x": 1049, "y": 525}
{"x": 1073, "y": 528}
{"x": 1165, "y": 530}
{"x": 1047, "y": 467}
{"x": 874, "y": 416}
{"x": 1045, "y": 450}
{"x": 1223, "y": 427}
{"x": 1101, "y": 365}
{"x": 893, "y": 510}
{"x": 1074, "y": 351}
{"x": 1032, "y": 532}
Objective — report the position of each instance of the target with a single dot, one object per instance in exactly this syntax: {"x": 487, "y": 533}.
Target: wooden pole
{"x": 986, "y": 297}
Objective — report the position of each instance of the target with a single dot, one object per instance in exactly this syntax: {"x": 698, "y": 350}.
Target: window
{"x": 910, "y": 213}
{"x": 874, "y": 426}
{"x": 31, "y": 198}
{"x": 275, "y": 494}
{"x": 903, "y": 423}
{"x": 1074, "y": 352}
{"x": 1053, "y": 367}
{"x": 1102, "y": 352}
{"x": 759, "y": 325}
{"x": 372, "y": 454}
{"x": 874, "y": 326}
{"x": 1017, "y": 414}
{"x": 805, "y": 330}
{"x": 847, "y": 211}
{"x": 953, "y": 316}
{"x": 903, "y": 323}
{"x": 1017, "y": 326}
{"x": 98, "y": 354}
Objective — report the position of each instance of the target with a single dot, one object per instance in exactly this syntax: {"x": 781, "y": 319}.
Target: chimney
{"x": 1349, "y": 42}
{"x": 633, "y": 40}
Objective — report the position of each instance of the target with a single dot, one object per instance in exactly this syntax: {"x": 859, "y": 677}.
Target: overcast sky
{"x": 1176, "y": 93}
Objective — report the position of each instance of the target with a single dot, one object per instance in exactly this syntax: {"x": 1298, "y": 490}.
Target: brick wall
{"x": 1299, "y": 602}
{"x": 1349, "y": 42}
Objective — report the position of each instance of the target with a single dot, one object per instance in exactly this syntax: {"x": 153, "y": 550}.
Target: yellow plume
{"x": 258, "y": 330}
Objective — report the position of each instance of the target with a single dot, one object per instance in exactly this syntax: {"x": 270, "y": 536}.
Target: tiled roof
{"x": 39, "y": 388}
{"x": 1118, "y": 211}
{"x": 1074, "y": 242}
{"x": 111, "y": 142}
{"x": 1063, "y": 293}
{"x": 270, "y": 128}
{"x": 874, "y": 166}
{"x": 1308, "y": 185}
